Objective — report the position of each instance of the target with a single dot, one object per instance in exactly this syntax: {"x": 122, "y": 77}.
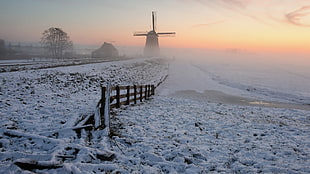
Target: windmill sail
{"x": 167, "y": 34}
{"x": 140, "y": 34}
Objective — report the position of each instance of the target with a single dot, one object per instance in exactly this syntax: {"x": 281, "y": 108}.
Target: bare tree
{"x": 56, "y": 41}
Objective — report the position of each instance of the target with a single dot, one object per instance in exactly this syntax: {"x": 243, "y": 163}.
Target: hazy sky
{"x": 274, "y": 25}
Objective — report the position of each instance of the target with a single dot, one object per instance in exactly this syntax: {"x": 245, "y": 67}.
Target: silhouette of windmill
{"x": 151, "y": 45}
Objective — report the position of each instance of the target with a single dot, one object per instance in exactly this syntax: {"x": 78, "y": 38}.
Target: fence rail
{"x": 115, "y": 97}
{"x": 125, "y": 95}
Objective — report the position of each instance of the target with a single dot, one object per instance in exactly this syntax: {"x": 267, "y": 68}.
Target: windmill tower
{"x": 151, "y": 45}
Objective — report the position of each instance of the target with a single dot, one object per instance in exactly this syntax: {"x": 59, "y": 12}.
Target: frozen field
{"x": 207, "y": 117}
{"x": 172, "y": 135}
{"x": 55, "y": 98}
{"x": 42, "y": 63}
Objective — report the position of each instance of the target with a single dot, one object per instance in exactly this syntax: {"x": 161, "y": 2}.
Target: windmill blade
{"x": 143, "y": 33}
{"x": 154, "y": 20}
{"x": 167, "y": 34}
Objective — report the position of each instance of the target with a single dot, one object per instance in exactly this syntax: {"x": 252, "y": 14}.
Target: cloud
{"x": 241, "y": 7}
{"x": 238, "y": 6}
{"x": 296, "y": 16}
{"x": 264, "y": 10}
{"x": 208, "y": 24}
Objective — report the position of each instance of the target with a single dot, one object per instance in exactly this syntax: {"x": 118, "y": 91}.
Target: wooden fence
{"x": 114, "y": 97}
{"x": 125, "y": 95}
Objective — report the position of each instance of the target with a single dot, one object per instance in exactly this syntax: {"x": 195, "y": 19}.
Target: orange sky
{"x": 271, "y": 25}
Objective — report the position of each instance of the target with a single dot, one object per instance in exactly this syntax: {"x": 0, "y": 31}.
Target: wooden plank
{"x": 142, "y": 97}
{"x": 107, "y": 110}
{"x": 103, "y": 91}
{"x": 153, "y": 90}
{"x": 145, "y": 92}
{"x": 112, "y": 98}
{"x": 123, "y": 96}
{"x": 141, "y": 93}
{"x": 133, "y": 100}
{"x": 135, "y": 94}
{"x": 123, "y": 103}
{"x": 118, "y": 97}
{"x": 113, "y": 105}
{"x": 131, "y": 94}
{"x": 86, "y": 120}
{"x": 123, "y": 87}
{"x": 148, "y": 91}
{"x": 128, "y": 95}
{"x": 97, "y": 118}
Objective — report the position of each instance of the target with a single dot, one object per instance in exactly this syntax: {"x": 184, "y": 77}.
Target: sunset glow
{"x": 270, "y": 25}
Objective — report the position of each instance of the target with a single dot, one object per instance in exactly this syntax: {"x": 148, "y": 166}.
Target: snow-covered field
{"x": 54, "y": 98}
{"x": 197, "y": 124}
{"x": 172, "y": 135}
{"x": 41, "y": 63}
{"x": 37, "y": 102}
{"x": 207, "y": 117}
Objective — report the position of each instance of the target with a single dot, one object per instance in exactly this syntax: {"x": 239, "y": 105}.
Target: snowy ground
{"x": 54, "y": 98}
{"x": 169, "y": 135}
{"x": 42, "y": 63}
{"x": 198, "y": 125}
{"x": 38, "y": 102}
{"x": 200, "y": 121}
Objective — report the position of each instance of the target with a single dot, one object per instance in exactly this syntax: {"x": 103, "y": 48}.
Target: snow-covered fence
{"x": 124, "y": 95}
{"x": 117, "y": 96}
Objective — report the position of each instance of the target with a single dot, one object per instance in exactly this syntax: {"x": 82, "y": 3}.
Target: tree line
{"x": 54, "y": 40}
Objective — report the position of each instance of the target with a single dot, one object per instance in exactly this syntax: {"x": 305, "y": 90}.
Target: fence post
{"x": 118, "y": 100}
{"x": 141, "y": 93}
{"x": 103, "y": 91}
{"x": 153, "y": 90}
{"x": 107, "y": 109}
{"x": 128, "y": 95}
{"x": 145, "y": 92}
{"x": 135, "y": 94}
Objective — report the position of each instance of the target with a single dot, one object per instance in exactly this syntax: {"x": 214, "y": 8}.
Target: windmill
{"x": 151, "y": 45}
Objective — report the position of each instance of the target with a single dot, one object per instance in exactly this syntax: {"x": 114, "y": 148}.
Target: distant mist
{"x": 238, "y": 56}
